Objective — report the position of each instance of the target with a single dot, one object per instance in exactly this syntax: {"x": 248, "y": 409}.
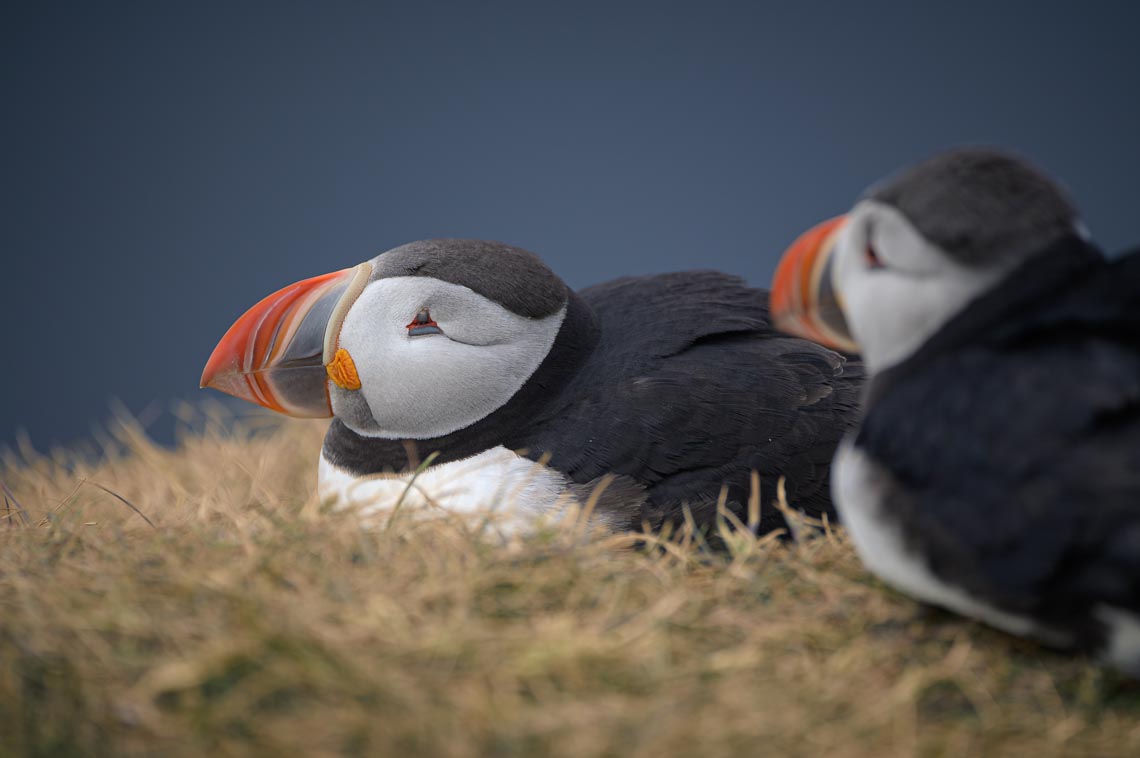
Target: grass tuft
{"x": 201, "y": 600}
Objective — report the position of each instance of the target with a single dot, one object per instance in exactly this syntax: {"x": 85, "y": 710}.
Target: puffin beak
{"x": 282, "y": 352}
{"x": 804, "y": 301}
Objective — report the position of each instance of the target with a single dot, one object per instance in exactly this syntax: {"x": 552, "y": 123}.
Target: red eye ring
{"x": 423, "y": 324}
{"x": 872, "y": 258}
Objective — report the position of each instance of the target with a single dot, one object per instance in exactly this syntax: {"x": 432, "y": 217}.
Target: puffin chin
{"x": 804, "y": 299}
{"x": 283, "y": 352}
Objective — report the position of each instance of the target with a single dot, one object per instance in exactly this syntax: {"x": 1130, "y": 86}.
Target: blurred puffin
{"x": 529, "y": 395}
{"x": 996, "y": 472}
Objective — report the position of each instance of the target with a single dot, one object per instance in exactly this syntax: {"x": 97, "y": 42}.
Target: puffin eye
{"x": 871, "y": 258}
{"x": 870, "y": 255}
{"x": 423, "y": 324}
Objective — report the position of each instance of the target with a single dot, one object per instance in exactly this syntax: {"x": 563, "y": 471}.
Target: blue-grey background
{"x": 168, "y": 164}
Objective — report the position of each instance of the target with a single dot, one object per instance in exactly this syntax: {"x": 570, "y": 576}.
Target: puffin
{"x": 465, "y": 374}
{"x": 995, "y": 471}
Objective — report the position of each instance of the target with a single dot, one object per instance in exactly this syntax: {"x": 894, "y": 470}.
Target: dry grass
{"x": 250, "y": 621}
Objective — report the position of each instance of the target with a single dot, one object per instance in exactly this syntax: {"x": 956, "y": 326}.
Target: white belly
{"x": 498, "y": 481}
{"x": 858, "y": 491}
{"x": 1123, "y": 648}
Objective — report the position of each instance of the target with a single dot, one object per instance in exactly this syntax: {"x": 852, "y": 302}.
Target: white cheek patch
{"x": 419, "y": 387}
{"x": 893, "y": 316}
{"x": 519, "y": 492}
{"x": 893, "y": 310}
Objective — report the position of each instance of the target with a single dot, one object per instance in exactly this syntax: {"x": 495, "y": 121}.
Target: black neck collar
{"x": 992, "y": 319}
{"x": 370, "y": 455}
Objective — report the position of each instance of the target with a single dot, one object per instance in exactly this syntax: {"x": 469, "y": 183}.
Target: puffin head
{"x": 418, "y": 342}
{"x": 915, "y": 250}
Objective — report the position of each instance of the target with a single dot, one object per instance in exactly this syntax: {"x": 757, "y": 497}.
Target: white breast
{"x": 1123, "y": 646}
{"x": 497, "y": 481}
{"x": 858, "y": 489}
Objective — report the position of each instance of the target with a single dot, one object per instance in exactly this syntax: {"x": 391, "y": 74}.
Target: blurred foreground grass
{"x": 249, "y": 621}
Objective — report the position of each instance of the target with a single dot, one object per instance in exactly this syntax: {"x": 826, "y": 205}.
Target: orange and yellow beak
{"x": 804, "y": 301}
{"x": 282, "y": 352}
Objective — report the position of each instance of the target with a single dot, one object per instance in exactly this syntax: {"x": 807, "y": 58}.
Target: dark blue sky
{"x": 166, "y": 165}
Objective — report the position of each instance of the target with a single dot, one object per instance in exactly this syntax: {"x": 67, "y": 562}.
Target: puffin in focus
{"x": 996, "y": 469}
{"x": 466, "y": 374}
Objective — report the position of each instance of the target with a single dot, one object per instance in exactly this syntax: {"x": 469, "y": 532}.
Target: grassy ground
{"x": 247, "y": 620}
